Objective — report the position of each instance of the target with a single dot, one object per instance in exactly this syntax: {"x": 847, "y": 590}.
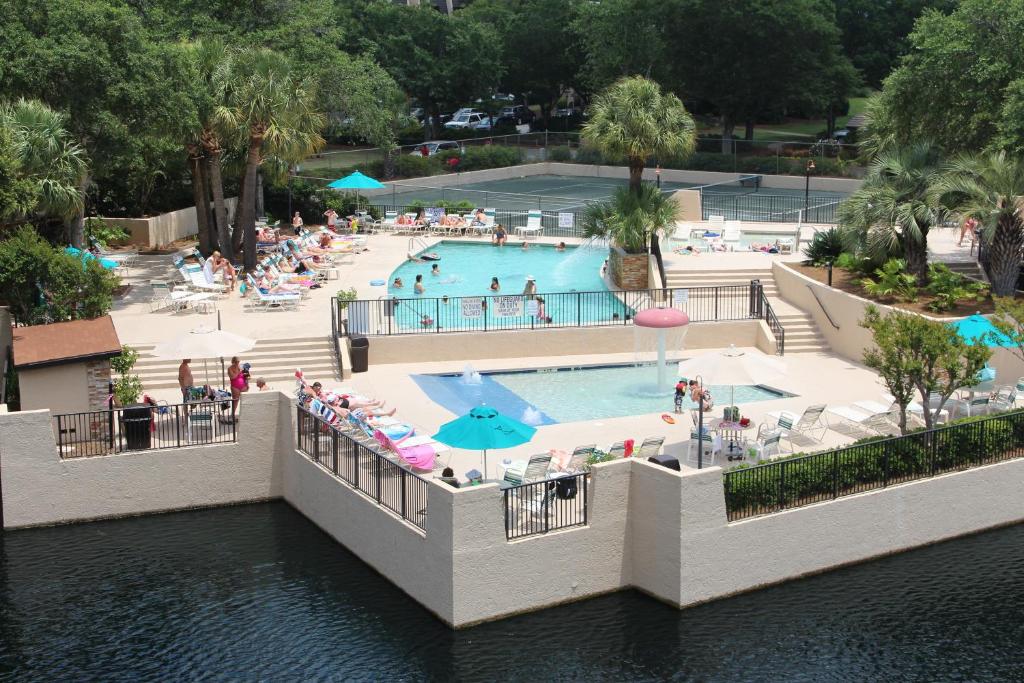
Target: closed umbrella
{"x": 484, "y": 428}
{"x": 734, "y": 367}
{"x": 204, "y": 342}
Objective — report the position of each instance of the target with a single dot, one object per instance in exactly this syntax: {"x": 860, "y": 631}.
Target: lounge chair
{"x": 1004, "y": 399}
{"x": 807, "y": 425}
{"x": 533, "y": 224}
{"x": 192, "y": 275}
{"x": 617, "y": 449}
{"x": 731, "y": 235}
{"x": 650, "y": 447}
{"x": 579, "y": 457}
{"x": 884, "y": 422}
{"x": 419, "y": 456}
{"x": 122, "y": 258}
{"x": 257, "y": 298}
{"x": 768, "y": 442}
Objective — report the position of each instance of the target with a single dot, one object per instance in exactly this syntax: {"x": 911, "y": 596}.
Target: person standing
{"x": 297, "y": 222}
{"x": 530, "y": 290}
{"x": 239, "y": 384}
{"x": 185, "y": 380}
{"x": 332, "y": 219}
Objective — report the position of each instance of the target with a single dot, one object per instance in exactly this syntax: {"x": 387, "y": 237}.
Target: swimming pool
{"x": 571, "y": 394}
{"x": 465, "y": 271}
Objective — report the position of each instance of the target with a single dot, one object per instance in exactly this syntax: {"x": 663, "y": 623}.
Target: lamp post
{"x": 807, "y": 185}
{"x": 657, "y": 175}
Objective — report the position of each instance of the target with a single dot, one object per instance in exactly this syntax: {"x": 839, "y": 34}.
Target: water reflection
{"x": 257, "y": 592}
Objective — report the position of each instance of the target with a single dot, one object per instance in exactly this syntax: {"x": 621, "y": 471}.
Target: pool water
{"x": 466, "y": 269}
{"x": 555, "y": 395}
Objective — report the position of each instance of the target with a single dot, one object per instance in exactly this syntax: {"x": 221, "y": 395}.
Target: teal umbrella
{"x": 89, "y": 256}
{"x": 977, "y": 328}
{"x": 356, "y": 181}
{"x": 484, "y": 429}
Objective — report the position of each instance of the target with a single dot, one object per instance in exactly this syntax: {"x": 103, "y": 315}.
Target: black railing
{"x": 543, "y": 506}
{"x": 365, "y": 467}
{"x": 828, "y": 475}
{"x": 432, "y": 315}
{"x": 141, "y": 428}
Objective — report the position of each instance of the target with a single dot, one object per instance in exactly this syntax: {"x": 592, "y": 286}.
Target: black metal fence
{"x": 543, "y": 506}
{"x": 433, "y": 315}
{"x": 141, "y": 428}
{"x": 364, "y": 467}
{"x": 770, "y": 208}
{"x": 828, "y": 475}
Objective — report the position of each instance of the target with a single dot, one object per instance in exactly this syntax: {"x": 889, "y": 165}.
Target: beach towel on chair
{"x": 421, "y": 457}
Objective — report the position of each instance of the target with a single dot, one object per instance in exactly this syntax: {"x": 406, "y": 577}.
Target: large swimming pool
{"x": 571, "y": 394}
{"x": 465, "y": 269}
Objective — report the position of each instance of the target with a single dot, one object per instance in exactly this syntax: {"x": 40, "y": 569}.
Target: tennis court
{"x": 554, "y": 193}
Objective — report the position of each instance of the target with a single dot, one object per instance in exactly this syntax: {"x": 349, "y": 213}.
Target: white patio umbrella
{"x": 734, "y": 367}
{"x": 204, "y": 342}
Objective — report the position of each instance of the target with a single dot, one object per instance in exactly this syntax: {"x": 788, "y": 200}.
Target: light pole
{"x": 657, "y": 175}
{"x": 807, "y": 185}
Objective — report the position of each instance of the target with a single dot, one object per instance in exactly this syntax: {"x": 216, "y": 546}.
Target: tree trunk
{"x": 220, "y": 209}
{"x": 1005, "y": 257}
{"x": 636, "y": 174}
{"x": 246, "y": 219}
{"x": 236, "y": 227}
{"x": 916, "y": 256}
{"x": 389, "y": 162}
{"x": 196, "y": 164}
{"x": 728, "y": 127}
{"x": 748, "y": 129}
{"x": 260, "y": 207}
{"x": 76, "y": 226}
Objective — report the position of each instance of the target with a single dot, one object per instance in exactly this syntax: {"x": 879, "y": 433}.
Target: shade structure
{"x": 484, "y": 428}
{"x": 661, "y": 318}
{"x": 87, "y": 256}
{"x": 977, "y": 328}
{"x": 734, "y": 367}
{"x": 356, "y": 181}
{"x": 204, "y": 342}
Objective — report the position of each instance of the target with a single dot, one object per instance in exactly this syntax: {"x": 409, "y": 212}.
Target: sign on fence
{"x": 473, "y": 307}
{"x": 433, "y": 214}
{"x": 508, "y": 306}
{"x": 565, "y": 219}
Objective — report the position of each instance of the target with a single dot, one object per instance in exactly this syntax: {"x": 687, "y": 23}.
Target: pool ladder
{"x": 416, "y": 244}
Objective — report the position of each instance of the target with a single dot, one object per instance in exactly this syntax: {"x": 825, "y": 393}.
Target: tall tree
{"x": 441, "y": 61}
{"x": 273, "y": 109}
{"x": 990, "y": 188}
{"x": 960, "y": 84}
{"x": 633, "y": 119}
{"x": 622, "y": 38}
{"x": 748, "y": 58}
{"x": 896, "y": 207}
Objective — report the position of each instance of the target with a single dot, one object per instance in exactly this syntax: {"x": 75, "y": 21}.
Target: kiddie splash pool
{"x": 570, "y": 394}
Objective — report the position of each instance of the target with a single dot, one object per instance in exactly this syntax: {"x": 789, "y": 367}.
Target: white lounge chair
{"x": 533, "y": 224}
{"x": 1004, "y": 399}
{"x": 650, "y": 447}
{"x": 164, "y": 296}
{"x": 537, "y": 467}
{"x": 806, "y": 425}
{"x": 872, "y": 423}
{"x": 731, "y": 234}
{"x": 768, "y": 442}
{"x": 712, "y": 445}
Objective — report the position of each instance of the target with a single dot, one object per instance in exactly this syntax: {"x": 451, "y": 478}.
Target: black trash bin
{"x": 135, "y": 427}
{"x": 359, "y": 348}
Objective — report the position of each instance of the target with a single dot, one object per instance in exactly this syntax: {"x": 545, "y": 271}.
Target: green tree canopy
{"x": 623, "y": 38}
{"x": 960, "y": 84}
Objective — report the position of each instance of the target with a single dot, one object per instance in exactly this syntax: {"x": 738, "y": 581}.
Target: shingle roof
{"x": 59, "y": 343}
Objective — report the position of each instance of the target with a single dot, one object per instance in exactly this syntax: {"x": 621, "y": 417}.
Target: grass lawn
{"x": 340, "y": 156}
{"x": 797, "y": 129}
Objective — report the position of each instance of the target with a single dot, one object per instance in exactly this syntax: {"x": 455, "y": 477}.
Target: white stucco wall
{"x": 39, "y": 488}
{"x": 62, "y": 388}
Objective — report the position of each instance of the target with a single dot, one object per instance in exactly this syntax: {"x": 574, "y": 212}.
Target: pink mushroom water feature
{"x": 663, "y": 321}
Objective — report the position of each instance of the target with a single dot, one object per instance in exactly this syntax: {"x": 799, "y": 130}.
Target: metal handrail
{"x": 823, "y": 309}
{"x": 334, "y": 336}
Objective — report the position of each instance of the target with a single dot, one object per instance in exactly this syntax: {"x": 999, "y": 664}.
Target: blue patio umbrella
{"x": 977, "y": 327}
{"x": 484, "y": 428}
{"x": 356, "y": 181}
{"x": 89, "y": 256}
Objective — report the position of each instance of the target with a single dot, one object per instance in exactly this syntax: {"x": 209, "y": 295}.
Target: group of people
{"x": 698, "y": 393}
{"x": 239, "y": 378}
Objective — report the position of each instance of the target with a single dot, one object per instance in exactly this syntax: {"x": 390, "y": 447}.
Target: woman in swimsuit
{"x": 238, "y": 384}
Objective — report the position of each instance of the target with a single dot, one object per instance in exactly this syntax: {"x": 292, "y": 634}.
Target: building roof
{"x": 70, "y": 342}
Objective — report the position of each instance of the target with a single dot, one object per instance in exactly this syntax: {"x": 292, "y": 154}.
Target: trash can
{"x": 359, "y": 348}
{"x": 135, "y": 427}
{"x": 668, "y": 461}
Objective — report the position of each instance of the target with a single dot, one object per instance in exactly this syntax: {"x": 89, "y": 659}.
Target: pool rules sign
{"x": 507, "y": 306}
{"x": 472, "y": 307}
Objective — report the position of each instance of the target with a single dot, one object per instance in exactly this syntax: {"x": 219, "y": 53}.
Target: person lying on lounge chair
{"x": 267, "y": 285}
{"x": 346, "y": 401}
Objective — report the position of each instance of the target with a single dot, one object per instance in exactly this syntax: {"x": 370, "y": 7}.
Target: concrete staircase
{"x": 273, "y": 359}
{"x": 802, "y": 335}
{"x": 969, "y": 269}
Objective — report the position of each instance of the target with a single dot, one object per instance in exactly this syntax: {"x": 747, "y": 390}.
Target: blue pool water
{"x": 559, "y": 395}
{"x": 466, "y": 270}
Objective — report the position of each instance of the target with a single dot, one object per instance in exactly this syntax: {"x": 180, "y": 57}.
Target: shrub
{"x": 560, "y": 153}
{"x": 948, "y": 288}
{"x": 488, "y": 156}
{"x": 416, "y": 166}
{"x": 825, "y": 247}
{"x": 97, "y": 229}
{"x": 589, "y": 155}
{"x": 892, "y": 281}
{"x": 127, "y": 387}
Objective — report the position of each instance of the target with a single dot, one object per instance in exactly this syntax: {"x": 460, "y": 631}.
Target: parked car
{"x": 517, "y": 114}
{"x": 567, "y": 112}
{"x": 433, "y": 147}
{"x": 466, "y": 120}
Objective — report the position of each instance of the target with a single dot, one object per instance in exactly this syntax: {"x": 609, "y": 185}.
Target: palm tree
{"x": 208, "y": 67}
{"x": 632, "y": 221}
{"x": 895, "y": 207}
{"x": 990, "y": 188}
{"x": 48, "y": 157}
{"x": 273, "y": 109}
{"x": 634, "y": 119}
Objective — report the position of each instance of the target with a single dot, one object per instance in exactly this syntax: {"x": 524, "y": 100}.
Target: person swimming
{"x": 435, "y": 270}
{"x": 495, "y": 287}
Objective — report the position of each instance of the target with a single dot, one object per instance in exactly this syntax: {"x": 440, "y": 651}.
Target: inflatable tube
{"x": 377, "y": 283}
{"x": 430, "y": 256}
{"x": 668, "y": 418}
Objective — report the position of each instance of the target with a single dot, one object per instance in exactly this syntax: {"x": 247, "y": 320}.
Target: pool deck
{"x": 848, "y": 381}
